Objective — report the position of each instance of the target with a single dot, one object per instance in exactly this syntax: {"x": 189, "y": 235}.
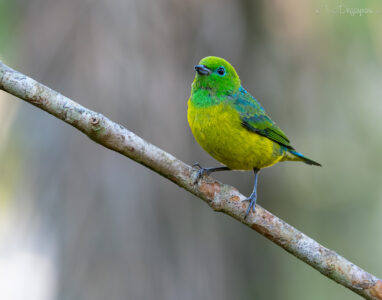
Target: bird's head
{"x": 216, "y": 74}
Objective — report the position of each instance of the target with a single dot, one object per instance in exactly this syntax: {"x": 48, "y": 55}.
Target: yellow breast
{"x": 218, "y": 129}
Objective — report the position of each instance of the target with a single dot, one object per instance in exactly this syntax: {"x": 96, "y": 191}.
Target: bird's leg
{"x": 252, "y": 198}
{"x": 207, "y": 171}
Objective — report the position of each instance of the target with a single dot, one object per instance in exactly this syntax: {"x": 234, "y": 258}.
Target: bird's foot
{"x": 252, "y": 204}
{"x": 201, "y": 172}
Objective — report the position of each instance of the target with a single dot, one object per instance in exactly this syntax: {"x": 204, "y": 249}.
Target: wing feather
{"x": 254, "y": 118}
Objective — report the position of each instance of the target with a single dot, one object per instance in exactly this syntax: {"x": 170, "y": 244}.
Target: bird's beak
{"x": 202, "y": 70}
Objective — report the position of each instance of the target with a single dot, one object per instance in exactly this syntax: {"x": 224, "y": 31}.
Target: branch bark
{"x": 220, "y": 197}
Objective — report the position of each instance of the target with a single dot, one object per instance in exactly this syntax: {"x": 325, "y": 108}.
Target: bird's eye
{"x": 221, "y": 71}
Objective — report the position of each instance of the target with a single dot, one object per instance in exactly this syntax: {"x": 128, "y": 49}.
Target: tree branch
{"x": 220, "y": 197}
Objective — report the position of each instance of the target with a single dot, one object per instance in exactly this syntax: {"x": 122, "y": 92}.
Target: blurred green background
{"x": 78, "y": 221}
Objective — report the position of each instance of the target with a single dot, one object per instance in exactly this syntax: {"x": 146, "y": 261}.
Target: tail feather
{"x": 298, "y": 156}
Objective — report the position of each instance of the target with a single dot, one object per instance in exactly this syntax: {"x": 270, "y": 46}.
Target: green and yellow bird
{"x": 232, "y": 126}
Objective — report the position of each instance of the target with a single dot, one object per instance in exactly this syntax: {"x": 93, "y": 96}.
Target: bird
{"x": 232, "y": 126}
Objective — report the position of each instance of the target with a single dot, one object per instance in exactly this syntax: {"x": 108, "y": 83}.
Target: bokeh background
{"x": 78, "y": 221}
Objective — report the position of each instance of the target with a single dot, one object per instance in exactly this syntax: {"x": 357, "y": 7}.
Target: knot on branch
{"x": 95, "y": 123}
{"x": 94, "y": 120}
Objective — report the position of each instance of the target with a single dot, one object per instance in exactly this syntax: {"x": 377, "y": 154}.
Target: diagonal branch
{"x": 220, "y": 197}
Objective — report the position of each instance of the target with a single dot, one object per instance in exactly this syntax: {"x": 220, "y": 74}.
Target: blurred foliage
{"x": 95, "y": 225}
